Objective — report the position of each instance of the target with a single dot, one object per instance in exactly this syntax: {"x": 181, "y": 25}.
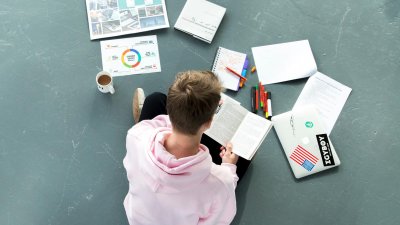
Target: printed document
{"x": 327, "y": 95}
{"x": 109, "y": 18}
{"x": 128, "y": 56}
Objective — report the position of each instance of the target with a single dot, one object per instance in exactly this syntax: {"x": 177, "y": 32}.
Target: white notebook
{"x": 200, "y": 19}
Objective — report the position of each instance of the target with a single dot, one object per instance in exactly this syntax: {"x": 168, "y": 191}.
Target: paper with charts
{"x": 108, "y": 18}
{"x": 128, "y": 56}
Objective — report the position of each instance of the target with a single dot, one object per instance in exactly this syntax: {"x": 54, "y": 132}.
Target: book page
{"x": 226, "y": 99}
{"x": 200, "y": 18}
{"x": 250, "y": 135}
{"x": 232, "y": 59}
{"x": 225, "y": 122}
{"x": 283, "y": 62}
{"x": 328, "y": 95}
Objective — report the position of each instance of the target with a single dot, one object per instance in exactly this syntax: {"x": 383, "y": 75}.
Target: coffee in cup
{"x": 105, "y": 82}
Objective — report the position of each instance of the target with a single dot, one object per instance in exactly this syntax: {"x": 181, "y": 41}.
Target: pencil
{"x": 232, "y": 71}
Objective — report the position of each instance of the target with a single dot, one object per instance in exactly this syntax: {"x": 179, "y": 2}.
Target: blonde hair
{"x": 192, "y": 100}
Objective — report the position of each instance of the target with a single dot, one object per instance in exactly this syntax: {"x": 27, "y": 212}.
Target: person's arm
{"x": 223, "y": 209}
{"x": 229, "y": 160}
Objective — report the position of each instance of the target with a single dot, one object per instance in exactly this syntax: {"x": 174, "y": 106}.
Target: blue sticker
{"x": 307, "y": 165}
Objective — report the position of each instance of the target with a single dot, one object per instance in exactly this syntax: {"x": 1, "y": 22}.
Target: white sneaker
{"x": 137, "y": 103}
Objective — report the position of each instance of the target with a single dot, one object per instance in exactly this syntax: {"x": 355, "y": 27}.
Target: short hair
{"x": 192, "y": 100}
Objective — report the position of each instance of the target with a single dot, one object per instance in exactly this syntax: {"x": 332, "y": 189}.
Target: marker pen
{"x": 269, "y": 105}
{"x": 265, "y": 101}
{"x": 253, "y": 99}
{"x": 261, "y": 90}
{"x": 257, "y": 97}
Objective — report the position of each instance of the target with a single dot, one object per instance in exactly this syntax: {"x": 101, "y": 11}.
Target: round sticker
{"x": 309, "y": 124}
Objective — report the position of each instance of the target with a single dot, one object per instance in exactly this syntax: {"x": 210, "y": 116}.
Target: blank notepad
{"x": 283, "y": 62}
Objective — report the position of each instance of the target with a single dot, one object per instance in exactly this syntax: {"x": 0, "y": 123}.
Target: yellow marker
{"x": 253, "y": 69}
{"x": 266, "y": 115}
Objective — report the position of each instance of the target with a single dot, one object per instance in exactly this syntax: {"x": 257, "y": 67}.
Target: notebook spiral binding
{"x": 216, "y": 59}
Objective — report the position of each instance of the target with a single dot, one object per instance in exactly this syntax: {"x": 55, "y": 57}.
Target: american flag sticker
{"x": 304, "y": 158}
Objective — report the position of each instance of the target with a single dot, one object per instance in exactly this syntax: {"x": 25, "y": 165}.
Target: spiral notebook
{"x": 232, "y": 59}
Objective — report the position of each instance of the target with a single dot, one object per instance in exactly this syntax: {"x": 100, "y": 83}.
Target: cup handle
{"x": 111, "y": 89}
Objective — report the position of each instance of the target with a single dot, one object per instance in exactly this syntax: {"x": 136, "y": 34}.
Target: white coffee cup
{"x": 104, "y": 82}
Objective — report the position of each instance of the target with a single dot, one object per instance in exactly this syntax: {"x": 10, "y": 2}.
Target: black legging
{"x": 155, "y": 104}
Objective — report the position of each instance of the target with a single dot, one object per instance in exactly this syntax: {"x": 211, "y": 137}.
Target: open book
{"x": 283, "y": 62}
{"x": 200, "y": 19}
{"x": 244, "y": 129}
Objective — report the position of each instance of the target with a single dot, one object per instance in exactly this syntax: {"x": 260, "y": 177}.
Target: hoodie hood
{"x": 169, "y": 174}
{"x": 167, "y": 190}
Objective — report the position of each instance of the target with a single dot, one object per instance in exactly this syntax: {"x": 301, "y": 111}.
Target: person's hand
{"x": 227, "y": 155}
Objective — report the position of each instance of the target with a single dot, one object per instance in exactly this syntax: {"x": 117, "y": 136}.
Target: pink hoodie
{"x": 166, "y": 190}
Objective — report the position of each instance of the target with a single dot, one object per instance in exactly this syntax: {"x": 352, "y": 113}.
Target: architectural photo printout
{"x": 108, "y": 18}
{"x": 131, "y": 55}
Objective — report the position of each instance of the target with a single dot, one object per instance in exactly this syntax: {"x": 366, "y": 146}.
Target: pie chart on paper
{"x": 131, "y": 58}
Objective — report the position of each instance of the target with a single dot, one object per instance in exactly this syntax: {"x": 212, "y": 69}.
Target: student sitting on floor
{"x": 172, "y": 179}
